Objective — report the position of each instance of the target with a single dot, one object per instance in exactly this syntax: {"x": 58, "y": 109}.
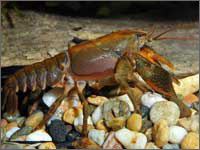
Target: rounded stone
{"x": 48, "y": 145}
{"x": 34, "y": 119}
{"x": 134, "y": 122}
{"x": 191, "y": 141}
{"x": 57, "y": 130}
{"x": 176, "y": 134}
{"x": 171, "y": 146}
{"x": 161, "y": 133}
{"x": 165, "y": 110}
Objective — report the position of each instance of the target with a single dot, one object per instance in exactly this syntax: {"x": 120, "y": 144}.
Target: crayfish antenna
{"x": 149, "y": 34}
{"x": 157, "y": 37}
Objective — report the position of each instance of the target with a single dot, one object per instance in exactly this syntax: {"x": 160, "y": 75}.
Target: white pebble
{"x": 97, "y": 135}
{"x": 165, "y": 110}
{"x": 97, "y": 115}
{"x": 176, "y": 134}
{"x": 11, "y": 132}
{"x": 149, "y": 98}
{"x": 39, "y": 135}
{"x": 79, "y": 120}
{"x": 126, "y": 99}
{"x": 131, "y": 139}
{"x": 50, "y": 97}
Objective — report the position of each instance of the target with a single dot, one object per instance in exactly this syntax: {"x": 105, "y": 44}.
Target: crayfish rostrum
{"x": 116, "y": 58}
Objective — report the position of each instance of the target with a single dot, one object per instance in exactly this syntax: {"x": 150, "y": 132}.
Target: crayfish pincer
{"x": 108, "y": 60}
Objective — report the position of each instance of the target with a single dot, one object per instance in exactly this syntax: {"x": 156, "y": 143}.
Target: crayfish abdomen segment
{"x": 39, "y": 75}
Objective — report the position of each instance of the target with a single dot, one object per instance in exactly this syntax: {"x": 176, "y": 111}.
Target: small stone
{"x": 39, "y": 135}
{"x": 50, "y": 97}
{"x": 48, "y": 145}
{"x": 72, "y": 136}
{"x": 10, "y": 132}
{"x": 176, "y": 134}
{"x": 126, "y": 99}
{"x": 19, "y": 138}
{"x": 151, "y": 145}
{"x": 11, "y": 125}
{"x": 79, "y": 120}
{"x": 161, "y": 133}
{"x": 165, "y": 110}
{"x": 101, "y": 126}
{"x": 131, "y": 139}
{"x": 134, "y": 122}
{"x": 12, "y": 146}
{"x": 146, "y": 124}
{"x": 191, "y": 141}
{"x": 79, "y": 128}
{"x": 171, "y": 146}
{"x": 117, "y": 123}
{"x": 11, "y": 118}
{"x": 69, "y": 116}
{"x": 22, "y": 132}
{"x": 191, "y": 98}
{"x": 20, "y": 121}
{"x": 97, "y": 115}
{"x": 149, "y": 98}
{"x": 96, "y": 100}
{"x": 148, "y": 134}
{"x": 34, "y": 119}
{"x": 111, "y": 142}
{"x": 57, "y": 130}
{"x": 97, "y": 135}
{"x": 190, "y": 124}
{"x": 4, "y": 122}
{"x": 85, "y": 143}
{"x": 145, "y": 111}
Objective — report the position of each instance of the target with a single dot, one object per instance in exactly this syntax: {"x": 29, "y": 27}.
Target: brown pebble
{"x": 4, "y": 122}
{"x": 190, "y": 141}
{"x": 48, "y": 145}
{"x": 134, "y": 122}
{"x": 10, "y": 125}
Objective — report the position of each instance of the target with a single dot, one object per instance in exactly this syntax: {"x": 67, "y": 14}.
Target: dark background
{"x": 184, "y": 11}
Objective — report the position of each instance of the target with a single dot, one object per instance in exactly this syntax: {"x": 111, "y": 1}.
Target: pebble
{"x": 97, "y": 135}
{"x": 190, "y": 124}
{"x": 117, "y": 123}
{"x": 97, "y": 115}
{"x": 79, "y": 120}
{"x": 126, "y": 99}
{"x": 191, "y": 98}
{"x": 4, "y": 122}
{"x": 149, "y": 99}
{"x": 134, "y": 122}
{"x": 22, "y": 132}
{"x": 47, "y": 145}
{"x": 171, "y": 146}
{"x": 151, "y": 145}
{"x": 50, "y": 97}
{"x": 176, "y": 134}
{"x": 131, "y": 139}
{"x": 11, "y": 125}
{"x": 10, "y": 132}
{"x": 69, "y": 116}
{"x": 12, "y": 146}
{"x": 97, "y": 100}
{"x": 39, "y": 135}
{"x": 57, "y": 130}
{"x": 166, "y": 110}
{"x": 146, "y": 124}
{"x": 85, "y": 143}
{"x": 111, "y": 142}
{"x": 145, "y": 111}
{"x": 148, "y": 134}
{"x": 161, "y": 133}
{"x": 20, "y": 121}
{"x": 101, "y": 126}
{"x": 72, "y": 136}
{"x": 191, "y": 141}
{"x": 11, "y": 118}
{"x": 34, "y": 119}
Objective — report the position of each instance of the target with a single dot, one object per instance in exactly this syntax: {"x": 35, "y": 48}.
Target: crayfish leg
{"x": 154, "y": 57}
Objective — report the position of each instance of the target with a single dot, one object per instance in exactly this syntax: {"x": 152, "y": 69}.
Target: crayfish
{"x": 121, "y": 58}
